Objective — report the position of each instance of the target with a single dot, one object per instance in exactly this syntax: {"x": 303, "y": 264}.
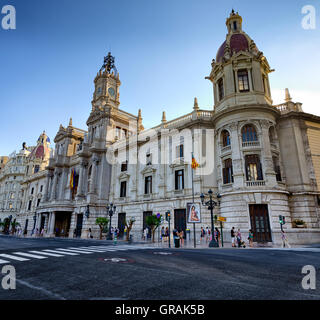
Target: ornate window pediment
{"x": 123, "y": 176}
{"x": 178, "y": 163}
{"x": 148, "y": 169}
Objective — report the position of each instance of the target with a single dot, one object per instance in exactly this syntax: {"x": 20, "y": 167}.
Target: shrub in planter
{"x": 298, "y": 223}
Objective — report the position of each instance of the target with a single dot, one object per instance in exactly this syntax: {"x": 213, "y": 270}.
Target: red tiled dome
{"x": 238, "y": 42}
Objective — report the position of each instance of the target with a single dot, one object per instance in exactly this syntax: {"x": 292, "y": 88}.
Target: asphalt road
{"x": 152, "y": 274}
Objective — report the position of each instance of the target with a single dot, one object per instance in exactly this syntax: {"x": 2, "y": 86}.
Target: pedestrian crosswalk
{"x": 42, "y": 254}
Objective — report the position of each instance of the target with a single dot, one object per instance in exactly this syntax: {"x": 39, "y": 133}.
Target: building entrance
{"x": 62, "y": 224}
{"x": 260, "y": 223}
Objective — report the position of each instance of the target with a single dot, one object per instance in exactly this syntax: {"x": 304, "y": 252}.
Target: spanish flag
{"x": 72, "y": 180}
{"x": 194, "y": 164}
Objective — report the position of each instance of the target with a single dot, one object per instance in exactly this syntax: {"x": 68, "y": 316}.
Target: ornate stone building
{"x": 261, "y": 160}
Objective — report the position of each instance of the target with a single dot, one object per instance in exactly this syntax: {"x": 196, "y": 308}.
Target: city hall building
{"x": 260, "y": 160}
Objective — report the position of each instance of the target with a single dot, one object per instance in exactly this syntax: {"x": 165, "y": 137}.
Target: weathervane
{"x": 108, "y": 63}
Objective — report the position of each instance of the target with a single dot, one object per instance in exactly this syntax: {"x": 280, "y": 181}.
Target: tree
{"x": 153, "y": 222}
{"x": 14, "y": 225}
{"x": 103, "y": 224}
{"x": 129, "y": 227}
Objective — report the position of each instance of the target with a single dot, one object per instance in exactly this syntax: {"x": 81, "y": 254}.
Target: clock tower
{"x": 107, "y": 83}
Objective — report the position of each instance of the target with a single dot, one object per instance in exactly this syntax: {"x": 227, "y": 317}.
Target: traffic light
{"x": 167, "y": 215}
{"x": 282, "y": 220}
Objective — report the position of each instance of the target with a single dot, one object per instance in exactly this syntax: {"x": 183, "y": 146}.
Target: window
{"x": 123, "y": 189}
{"x": 276, "y": 168}
{"x": 243, "y": 80}
{"x": 249, "y": 134}
{"x": 225, "y": 138}
{"x": 179, "y": 180}
{"x": 32, "y": 190}
{"x": 36, "y": 168}
{"x": 253, "y": 168}
{"x": 227, "y": 172}
{"x": 221, "y": 89}
{"x": 118, "y": 132}
{"x": 29, "y": 205}
{"x": 234, "y": 25}
{"x": 124, "y": 166}
{"x": 41, "y": 188}
{"x": 149, "y": 159}
{"x": 38, "y": 202}
{"x": 148, "y": 185}
{"x": 10, "y": 206}
{"x": 180, "y": 153}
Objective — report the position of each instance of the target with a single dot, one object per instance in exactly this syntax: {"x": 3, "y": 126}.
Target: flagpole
{"x": 194, "y": 224}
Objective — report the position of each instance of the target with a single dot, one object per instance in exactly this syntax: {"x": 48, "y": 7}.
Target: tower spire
{"x": 288, "y": 97}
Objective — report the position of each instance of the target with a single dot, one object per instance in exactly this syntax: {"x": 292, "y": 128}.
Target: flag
{"x": 72, "y": 180}
{"x": 194, "y": 163}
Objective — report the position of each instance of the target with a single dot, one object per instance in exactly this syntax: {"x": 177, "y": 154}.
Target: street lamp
{"x": 111, "y": 209}
{"x": 211, "y": 204}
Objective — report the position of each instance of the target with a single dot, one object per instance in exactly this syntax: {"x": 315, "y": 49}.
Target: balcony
{"x": 225, "y": 149}
{"x": 251, "y": 144}
{"x": 260, "y": 183}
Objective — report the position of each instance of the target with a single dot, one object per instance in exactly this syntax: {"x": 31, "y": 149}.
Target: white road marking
{"x": 88, "y": 249}
{"x": 3, "y": 261}
{"x": 47, "y": 254}
{"x": 9, "y": 256}
{"x": 28, "y": 255}
{"x": 60, "y": 252}
{"x": 76, "y": 251}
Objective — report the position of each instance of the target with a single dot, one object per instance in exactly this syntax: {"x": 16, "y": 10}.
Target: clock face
{"x": 111, "y": 92}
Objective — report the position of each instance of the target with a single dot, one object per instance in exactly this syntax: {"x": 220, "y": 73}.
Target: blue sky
{"x": 163, "y": 52}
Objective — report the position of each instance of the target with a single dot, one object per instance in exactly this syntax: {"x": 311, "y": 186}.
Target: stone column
{"x": 47, "y": 188}
{"x": 236, "y": 156}
{"x": 269, "y": 174}
{"x": 54, "y": 186}
{"x": 81, "y": 179}
{"x": 95, "y": 162}
{"x": 52, "y": 223}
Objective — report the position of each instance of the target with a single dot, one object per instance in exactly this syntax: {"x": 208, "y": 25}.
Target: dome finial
{"x": 195, "y": 105}
{"x": 164, "y": 119}
{"x": 288, "y": 97}
{"x": 70, "y": 122}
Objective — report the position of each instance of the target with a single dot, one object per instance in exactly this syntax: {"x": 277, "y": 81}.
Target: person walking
{"x": 167, "y": 234}
{"x": 217, "y": 236}
{"x": 239, "y": 239}
{"x": 285, "y": 242}
{"x": 145, "y": 234}
{"x": 233, "y": 237}
{"x": 202, "y": 234}
{"x": 250, "y": 238}
{"x": 163, "y": 234}
{"x": 181, "y": 234}
{"x": 207, "y": 235}
{"x": 90, "y": 234}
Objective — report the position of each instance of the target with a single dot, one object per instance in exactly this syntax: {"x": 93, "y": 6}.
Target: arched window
{"x": 221, "y": 89}
{"x": 249, "y": 134}
{"x": 225, "y": 136}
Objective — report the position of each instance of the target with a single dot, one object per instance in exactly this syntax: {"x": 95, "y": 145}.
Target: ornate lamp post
{"x": 111, "y": 209}
{"x": 211, "y": 204}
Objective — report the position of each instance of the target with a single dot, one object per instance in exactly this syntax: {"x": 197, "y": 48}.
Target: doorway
{"x": 62, "y": 224}
{"x": 79, "y": 225}
{"x": 145, "y": 215}
{"x": 260, "y": 223}
{"x": 180, "y": 220}
{"x": 121, "y": 223}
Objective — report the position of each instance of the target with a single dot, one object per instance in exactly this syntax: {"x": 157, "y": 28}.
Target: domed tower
{"x": 39, "y": 156}
{"x": 247, "y": 154}
{"x": 240, "y": 72}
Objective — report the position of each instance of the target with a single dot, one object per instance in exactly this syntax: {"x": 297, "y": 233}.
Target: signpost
{"x": 221, "y": 219}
